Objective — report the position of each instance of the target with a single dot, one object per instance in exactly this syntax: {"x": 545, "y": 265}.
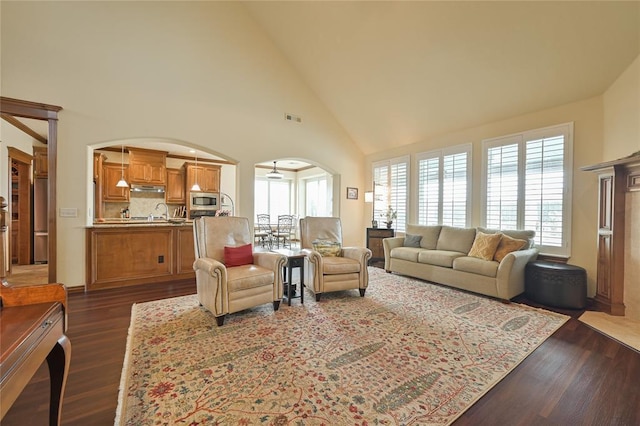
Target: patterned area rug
{"x": 407, "y": 353}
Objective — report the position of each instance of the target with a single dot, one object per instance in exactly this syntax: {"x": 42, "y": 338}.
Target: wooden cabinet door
{"x": 111, "y": 175}
{"x": 186, "y": 251}
{"x": 138, "y": 173}
{"x": 147, "y": 167}
{"x": 175, "y": 187}
{"x": 374, "y": 241}
{"x": 208, "y": 177}
{"x": 40, "y": 162}
{"x": 211, "y": 179}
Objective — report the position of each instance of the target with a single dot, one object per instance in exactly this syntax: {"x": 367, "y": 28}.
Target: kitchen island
{"x": 123, "y": 252}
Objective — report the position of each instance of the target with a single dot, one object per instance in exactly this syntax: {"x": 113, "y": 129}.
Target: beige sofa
{"x": 442, "y": 257}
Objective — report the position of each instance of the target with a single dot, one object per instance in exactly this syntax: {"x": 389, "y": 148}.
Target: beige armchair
{"x": 225, "y": 290}
{"x": 325, "y": 274}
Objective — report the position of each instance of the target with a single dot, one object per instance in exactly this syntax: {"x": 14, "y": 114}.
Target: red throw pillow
{"x": 237, "y": 256}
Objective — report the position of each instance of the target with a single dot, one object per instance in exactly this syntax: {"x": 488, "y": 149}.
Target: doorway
{"x": 20, "y": 208}
{"x": 23, "y": 115}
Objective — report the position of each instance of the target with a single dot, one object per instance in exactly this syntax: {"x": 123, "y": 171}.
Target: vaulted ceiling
{"x": 395, "y": 73}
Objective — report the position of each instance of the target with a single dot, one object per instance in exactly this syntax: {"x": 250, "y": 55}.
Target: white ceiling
{"x": 395, "y": 73}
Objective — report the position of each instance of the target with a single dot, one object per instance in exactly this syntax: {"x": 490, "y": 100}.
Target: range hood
{"x": 146, "y": 188}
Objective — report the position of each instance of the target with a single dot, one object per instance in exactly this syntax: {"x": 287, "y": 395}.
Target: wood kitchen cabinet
{"x": 207, "y": 176}
{"x": 176, "y": 187}
{"x": 111, "y": 174}
{"x": 40, "y": 162}
{"x": 127, "y": 255}
{"x": 147, "y": 167}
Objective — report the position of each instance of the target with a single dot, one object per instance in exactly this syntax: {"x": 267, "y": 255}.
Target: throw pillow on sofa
{"x": 328, "y": 248}
{"x": 485, "y": 245}
{"x": 238, "y": 256}
{"x": 507, "y": 245}
{"x": 411, "y": 240}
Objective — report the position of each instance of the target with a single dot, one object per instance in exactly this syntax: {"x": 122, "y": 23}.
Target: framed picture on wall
{"x": 352, "y": 193}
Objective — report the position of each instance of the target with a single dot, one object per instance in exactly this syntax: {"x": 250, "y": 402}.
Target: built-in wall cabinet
{"x": 147, "y": 167}
{"x": 111, "y": 174}
{"x": 175, "y": 193}
{"x": 615, "y": 179}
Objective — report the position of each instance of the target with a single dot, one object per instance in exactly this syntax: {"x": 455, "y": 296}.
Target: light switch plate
{"x": 68, "y": 212}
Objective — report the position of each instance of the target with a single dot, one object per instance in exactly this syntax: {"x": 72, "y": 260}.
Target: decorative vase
{"x": 389, "y": 224}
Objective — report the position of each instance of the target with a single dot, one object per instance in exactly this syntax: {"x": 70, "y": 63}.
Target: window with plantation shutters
{"x": 528, "y": 185}
{"x": 391, "y": 183}
{"x": 443, "y": 187}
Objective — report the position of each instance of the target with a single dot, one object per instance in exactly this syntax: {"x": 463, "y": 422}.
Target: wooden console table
{"x": 32, "y": 326}
{"x": 31, "y": 334}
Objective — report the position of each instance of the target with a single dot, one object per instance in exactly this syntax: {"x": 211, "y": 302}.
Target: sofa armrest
{"x": 269, "y": 260}
{"x": 273, "y": 262}
{"x": 361, "y": 254}
{"x": 210, "y": 266}
{"x": 389, "y": 244}
{"x": 510, "y": 277}
{"x": 313, "y": 256}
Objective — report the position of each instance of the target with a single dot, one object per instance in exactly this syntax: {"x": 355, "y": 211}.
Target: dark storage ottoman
{"x": 556, "y": 284}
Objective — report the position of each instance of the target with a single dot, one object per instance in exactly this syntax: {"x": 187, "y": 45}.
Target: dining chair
{"x": 283, "y": 231}
{"x": 264, "y": 232}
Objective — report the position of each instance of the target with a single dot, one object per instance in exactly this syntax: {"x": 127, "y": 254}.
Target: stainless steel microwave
{"x": 205, "y": 201}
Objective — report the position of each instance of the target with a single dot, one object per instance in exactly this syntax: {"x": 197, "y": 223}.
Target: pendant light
{"x": 274, "y": 174}
{"x": 122, "y": 183}
{"x": 195, "y": 186}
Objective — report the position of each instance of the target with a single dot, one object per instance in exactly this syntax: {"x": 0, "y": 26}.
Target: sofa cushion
{"x": 488, "y": 268}
{"x": 485, "y": 245}
{"x": 506, "y": 246}
{"x": 456, "y": 239}
{"x": 411, "y": 240}
{"x": 248, "y": 276}
{"x": 238, "y": 256}
{"x": 513, "y": 233}
{"x": 405, "y": 253}
{"x": 439, "y": 257}
{"x": 339, "y": 265}
{"x": 429, "y": 235}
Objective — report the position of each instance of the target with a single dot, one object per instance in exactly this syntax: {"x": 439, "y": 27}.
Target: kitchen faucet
{"x": 166, "y": 210}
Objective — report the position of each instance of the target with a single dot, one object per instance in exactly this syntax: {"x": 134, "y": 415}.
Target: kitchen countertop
{"x": 118, "y": 223}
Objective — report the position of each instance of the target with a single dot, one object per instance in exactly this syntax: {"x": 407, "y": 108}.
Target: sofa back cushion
{"x": 456, "y": 239}
{"x": 517, "y": 234}
{"x": 429, "y": 235}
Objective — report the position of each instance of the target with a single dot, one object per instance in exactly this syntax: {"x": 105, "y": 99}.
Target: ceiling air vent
{"x": 291, "y": 117}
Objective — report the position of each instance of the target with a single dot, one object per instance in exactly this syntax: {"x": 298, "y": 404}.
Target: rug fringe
{"x": 122, "y": 389}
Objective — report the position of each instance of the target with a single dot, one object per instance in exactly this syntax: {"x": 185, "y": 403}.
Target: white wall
{"x": 199, "y": 72}
{"x": 622, "y": 138}
{"x": 622, "y": 114}
{"x": 587, "y": 116}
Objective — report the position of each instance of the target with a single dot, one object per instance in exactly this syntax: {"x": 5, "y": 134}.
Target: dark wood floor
{"x": 576, "y": 377}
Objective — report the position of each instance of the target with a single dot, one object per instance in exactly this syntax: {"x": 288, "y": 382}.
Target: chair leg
{"x": 362, "y": 290}
{"x": 276, "y": 305}
{"x": 220, "y": 320}
{"x": 318, "y": 296}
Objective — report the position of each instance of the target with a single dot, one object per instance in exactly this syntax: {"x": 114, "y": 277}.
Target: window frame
{"x": 390, "y": 188}
{"x": 268, "y": 181}
{"x": 440, "y": 154}
{"x": 521, "y": 139}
